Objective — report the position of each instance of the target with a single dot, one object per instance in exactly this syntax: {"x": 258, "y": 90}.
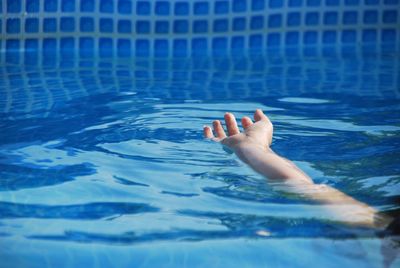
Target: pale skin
{"x": 253, "y": 146}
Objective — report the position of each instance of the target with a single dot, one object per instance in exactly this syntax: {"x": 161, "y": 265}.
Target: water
{"x": 103, "y": 162}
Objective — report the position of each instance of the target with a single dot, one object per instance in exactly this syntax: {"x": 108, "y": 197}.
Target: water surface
{"x": 102, "y": 161}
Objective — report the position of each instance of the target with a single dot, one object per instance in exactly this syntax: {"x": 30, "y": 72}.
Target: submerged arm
{"x": 253, "y": 147}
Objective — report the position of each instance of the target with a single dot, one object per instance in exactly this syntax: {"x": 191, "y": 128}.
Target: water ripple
{"x": 91, "y": 211}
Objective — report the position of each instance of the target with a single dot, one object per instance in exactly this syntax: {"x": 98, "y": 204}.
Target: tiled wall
{"x": 180, "y": 28}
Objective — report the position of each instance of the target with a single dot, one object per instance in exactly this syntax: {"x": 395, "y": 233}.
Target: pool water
{"x": 103, "y": 163}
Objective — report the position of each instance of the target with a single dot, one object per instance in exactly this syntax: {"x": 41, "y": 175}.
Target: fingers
{"x": 218, "y": 129}
{"x": 231, "y": 124}
{"x": 259, "y": 115}
{"x": 208, "y": 132}
{"x": 246, "y": 122}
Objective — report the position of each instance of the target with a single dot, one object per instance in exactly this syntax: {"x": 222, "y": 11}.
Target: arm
{"x": 253, "y": 147}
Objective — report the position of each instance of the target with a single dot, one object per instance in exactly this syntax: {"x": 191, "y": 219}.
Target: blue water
{"x": 103, "y": 164}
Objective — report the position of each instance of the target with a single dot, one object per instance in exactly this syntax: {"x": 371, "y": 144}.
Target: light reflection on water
{"x": 105, "y": 158}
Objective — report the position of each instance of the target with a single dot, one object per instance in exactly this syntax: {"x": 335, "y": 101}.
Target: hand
{"x": 257, "y": 134}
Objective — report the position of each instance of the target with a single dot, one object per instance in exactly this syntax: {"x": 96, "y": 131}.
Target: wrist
{"x": 250, "y": 147}
{"x": 248, "y": 152}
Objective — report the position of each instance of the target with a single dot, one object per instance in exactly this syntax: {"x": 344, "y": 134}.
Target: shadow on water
{"x": 237, "y": 226}
{"x": 90, "y": 211}
{"x": 14, "y": 177}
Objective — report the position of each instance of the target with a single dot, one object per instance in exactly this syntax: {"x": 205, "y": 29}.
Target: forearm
{"x": 269, "y": 164}
{"x": 276, "y": 168}
{"x": 342, "y": 207}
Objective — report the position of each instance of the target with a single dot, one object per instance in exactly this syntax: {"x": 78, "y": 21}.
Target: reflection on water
{"x": 99, "y": 153}
{"x": 36, "y": 82}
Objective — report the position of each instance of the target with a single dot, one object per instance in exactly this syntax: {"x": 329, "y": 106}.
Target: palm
{"x": 258, "y": 133}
